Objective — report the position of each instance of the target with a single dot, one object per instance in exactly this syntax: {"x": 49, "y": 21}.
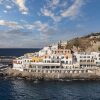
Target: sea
{"x": 20, "y": 89}
{"x": 17, "y": 51}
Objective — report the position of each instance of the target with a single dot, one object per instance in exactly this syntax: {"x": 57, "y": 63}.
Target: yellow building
{"x": 37, "y": 59}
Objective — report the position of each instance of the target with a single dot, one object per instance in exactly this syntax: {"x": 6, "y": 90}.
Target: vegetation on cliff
{"x": 89, "y": 42}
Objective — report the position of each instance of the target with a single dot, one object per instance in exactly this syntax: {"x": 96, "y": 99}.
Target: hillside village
{"x": 77, "y": 56}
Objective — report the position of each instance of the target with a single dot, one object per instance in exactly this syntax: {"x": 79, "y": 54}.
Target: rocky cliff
{"x": 86, "y": 43}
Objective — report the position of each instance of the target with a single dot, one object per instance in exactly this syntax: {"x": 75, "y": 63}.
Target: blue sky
{"x": 38, "y": 23}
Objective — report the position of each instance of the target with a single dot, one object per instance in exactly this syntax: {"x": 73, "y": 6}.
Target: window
{"x": 62, "y": 57}
{"x": 70, "y": 62}
{"x": 57, "y": 57}
{"x": 81, "y": 61}
{"x": 30, "y": 66}
{"x": 92, "y": 60}
{"x": 62, "y": 61}
{"x": 52, "y": 66}
{"x": 38, "y": 70}
{"x": 57, "y": 61}
{"x": 88, "y": 60}
{"x": 84, "y": 56}
{"x": 66, "y": 62}
{"x": 57, "y": 66}
{"x": 66, "y": 57}
{"x": 52, "y": 61}
{"x": 88, "y": 56}
{"x": 48, "y": 61}
{"x": 96, "y": 62}
{"x": 80, "y": 56}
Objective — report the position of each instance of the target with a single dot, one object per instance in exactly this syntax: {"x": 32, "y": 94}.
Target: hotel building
{"x": 57, "y": 59}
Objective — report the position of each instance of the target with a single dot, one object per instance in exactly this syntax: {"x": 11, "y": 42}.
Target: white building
{"x": 59, "y": 56}
{"x": 47, "y": 50}
{"x": 21, "y": 62}
{"x": 54, "y": 59}
{"x": 17, "y": 64}
{"x": 86, "y": 60}
{"x": 97, "y": 58}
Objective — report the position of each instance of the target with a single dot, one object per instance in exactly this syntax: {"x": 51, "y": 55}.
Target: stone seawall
{"x": 49, "y": 76}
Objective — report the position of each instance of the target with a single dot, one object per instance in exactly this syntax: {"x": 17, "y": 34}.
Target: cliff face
{"x": 86, "y": 43}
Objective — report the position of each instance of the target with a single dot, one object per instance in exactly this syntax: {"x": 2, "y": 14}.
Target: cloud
{"x": 59, "y": 9}
{"x": 20, "y": 39}
{"x": 37, "y": 25}
{"x": 5, "y": 11}
{"x": 17, "y": 32}
{"x": 49, "y": 8}
{"x": 53, "y": 4}
{"x": 8, "y": 39}
{"x": 73, "y": 10}
{"x": 46, "y": 12}
{"x": 21, "y": 5}
{"x": 10, "y": 24}
{"x": 52, "y": 9}
{"x": 1, "y": 1}
{"x": 8, "y": 34}
{"x": 43, "y": 28}
{"x": 49, "y": 13}
{"x": 8, "y": 6}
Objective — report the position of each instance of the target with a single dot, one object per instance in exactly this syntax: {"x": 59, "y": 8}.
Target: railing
{"x": 59, "y": 68}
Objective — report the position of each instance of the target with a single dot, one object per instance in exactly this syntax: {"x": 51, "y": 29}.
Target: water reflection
{"x": 28, "y": 90}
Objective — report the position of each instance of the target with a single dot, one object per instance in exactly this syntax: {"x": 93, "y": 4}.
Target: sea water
{"x": 18, "y": 89}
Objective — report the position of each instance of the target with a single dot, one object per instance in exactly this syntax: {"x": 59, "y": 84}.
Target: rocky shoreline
{"x": 11, "y": 73}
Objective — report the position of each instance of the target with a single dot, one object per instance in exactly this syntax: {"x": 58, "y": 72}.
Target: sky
{"x": 38, "y": 23}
